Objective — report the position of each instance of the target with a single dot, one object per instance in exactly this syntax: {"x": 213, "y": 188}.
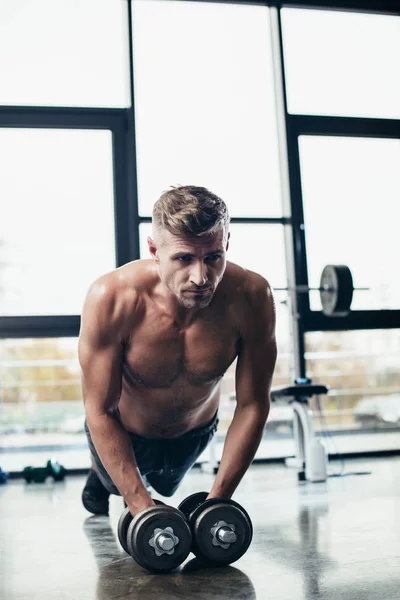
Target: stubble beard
{"x": 191, "y": 303}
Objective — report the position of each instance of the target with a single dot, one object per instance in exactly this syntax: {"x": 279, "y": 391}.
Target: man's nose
{"x": 198, "y": 274}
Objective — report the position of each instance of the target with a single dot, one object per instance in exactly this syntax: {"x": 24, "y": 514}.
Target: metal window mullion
{"x": 356, "y": 320}
{"x": 344, "y": 126}
{"x": 294, "y": 241}
{"x": 131, "y": 154}
{"x": 387, "y": 7}
{"x": 59, "y": 117}
{"x": 39, "y": 326}
{"x": 364, "y": 6}
{"x": 122, "y": 205}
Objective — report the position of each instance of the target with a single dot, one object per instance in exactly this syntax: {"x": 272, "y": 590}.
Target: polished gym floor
{"x": 334, "y": 540}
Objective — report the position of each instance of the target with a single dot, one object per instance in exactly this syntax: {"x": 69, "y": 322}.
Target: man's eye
{"x": 214, "y": 257}
{"x": 183, "y": 258}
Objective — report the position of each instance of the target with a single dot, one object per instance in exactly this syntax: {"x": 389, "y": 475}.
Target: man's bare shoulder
{"x": 118, "y": 294}
{"x": 248, "y": 284}
{"x": 251, "y": 295}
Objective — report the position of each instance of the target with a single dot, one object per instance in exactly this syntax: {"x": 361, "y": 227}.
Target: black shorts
{"x": 162, "y": 462}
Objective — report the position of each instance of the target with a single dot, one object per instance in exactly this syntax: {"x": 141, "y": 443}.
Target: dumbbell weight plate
{"x": 55, "y": 470}
{"x": 188, "y": 505}
{"x": 123, "y": 524}
{"x": 141, "y": 532}
{"x": 204, "y": 519}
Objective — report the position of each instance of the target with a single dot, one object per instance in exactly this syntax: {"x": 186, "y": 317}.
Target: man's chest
{"x": 160, "y": 355}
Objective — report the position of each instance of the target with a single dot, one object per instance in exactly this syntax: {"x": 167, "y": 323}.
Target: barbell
{"x": 336, "y": 290}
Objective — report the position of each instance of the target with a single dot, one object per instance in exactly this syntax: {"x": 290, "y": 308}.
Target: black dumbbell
{"x": 158, "y": 538}
{"x": 222, "y": 530}
{"x": 40, "y": 474}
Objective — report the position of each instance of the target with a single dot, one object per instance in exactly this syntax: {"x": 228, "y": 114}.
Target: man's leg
{"x": 94, "y": 495}
{"x": 180, "y": 454}
{"x": 99, "y": 486}
{"x": 165, "y": 484}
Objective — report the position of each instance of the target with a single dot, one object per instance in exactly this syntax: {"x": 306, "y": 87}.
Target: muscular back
{"x": 160, "y": 378}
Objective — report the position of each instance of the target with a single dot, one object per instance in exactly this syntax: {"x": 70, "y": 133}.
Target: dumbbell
{"x": 222, "y": 530}
{"x": 3, "y": 476}
{"x": 158, "y": 538}
{"x": 39, "y": 474}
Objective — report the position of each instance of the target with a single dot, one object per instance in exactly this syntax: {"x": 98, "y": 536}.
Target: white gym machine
{"x": 310, "y": 459}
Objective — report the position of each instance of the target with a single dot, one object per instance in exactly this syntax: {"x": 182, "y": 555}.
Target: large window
{"x": 351, "y": 188}
{"x": 57, "y": 218}
{"x": 204, "y": 117}
{"x": 207, "y": 100}
{"x": 341, "y": 63}
{"x": 64, "y": 53}
{"x": 362, "y": 370}
{"x": 205, "y": 110}
{"x": 41, "y": 408}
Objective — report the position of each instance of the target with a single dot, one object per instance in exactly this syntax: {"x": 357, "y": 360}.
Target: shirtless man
{"x": 157, "y": 336}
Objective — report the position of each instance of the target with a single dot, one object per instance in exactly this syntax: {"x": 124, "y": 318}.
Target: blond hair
{"x": 190, "y": 211}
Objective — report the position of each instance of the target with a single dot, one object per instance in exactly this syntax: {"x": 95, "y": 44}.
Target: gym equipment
{"x": 40, "y": 474}
{"x": 222, "y": 530}
{"x": 3, "y": 477}
{"x": 124, "y": 522}
{"x": 336, "y": 290}
{"x": 158, "y": 538}
{"x": 55, "y": 470}
{"x": 311, "y": 458}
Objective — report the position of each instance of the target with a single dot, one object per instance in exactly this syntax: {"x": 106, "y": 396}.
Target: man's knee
{"x": 163, "y": 485}
{"x": 166, "y": 492}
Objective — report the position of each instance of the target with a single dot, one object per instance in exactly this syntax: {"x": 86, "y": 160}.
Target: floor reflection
{"x": 299, "y": 547}
{"x": 121, "y": 577}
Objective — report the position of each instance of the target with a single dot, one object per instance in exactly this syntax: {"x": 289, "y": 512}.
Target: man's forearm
{"x": 115, "y": 451}
{"x": 242, "y": 440}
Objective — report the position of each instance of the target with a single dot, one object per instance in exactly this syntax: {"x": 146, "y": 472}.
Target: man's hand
{"x": 140, "y": 502}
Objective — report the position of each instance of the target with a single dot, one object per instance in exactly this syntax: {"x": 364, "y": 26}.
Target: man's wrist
{"x": 139, "y": 501}
{"x": 219, "y": 493}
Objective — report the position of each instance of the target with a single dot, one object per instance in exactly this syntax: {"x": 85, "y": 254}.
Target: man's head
{"x": 190, "y": 239}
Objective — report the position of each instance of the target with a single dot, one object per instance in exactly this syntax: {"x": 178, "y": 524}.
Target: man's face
{"x": 191, "y": 267}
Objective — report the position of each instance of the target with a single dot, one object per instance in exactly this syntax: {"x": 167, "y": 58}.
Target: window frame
{"x": 121, "y": 123}
{"x": 291, "y": 127}
{"x": 342, "y": 127}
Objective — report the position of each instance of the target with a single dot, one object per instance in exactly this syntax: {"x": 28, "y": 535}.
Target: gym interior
{"x": 290, "y": 112}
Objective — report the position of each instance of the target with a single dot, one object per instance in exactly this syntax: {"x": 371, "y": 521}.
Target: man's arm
{"x": 254, "y": 370}
{"x": 100, "y": 356}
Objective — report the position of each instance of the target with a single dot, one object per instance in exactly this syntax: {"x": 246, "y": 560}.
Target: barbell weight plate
{"x": 336, "y": 290}
{"x": 191, "y": 502}
{"x": 141, "y": 531}
{"x": 203, "y": 520}
{"x": 123, "y": 524}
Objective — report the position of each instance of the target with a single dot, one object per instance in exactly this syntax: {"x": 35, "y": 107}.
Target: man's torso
{"x": 170, "y": 374}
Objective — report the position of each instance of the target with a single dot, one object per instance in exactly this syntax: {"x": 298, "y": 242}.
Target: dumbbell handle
{"x": 165, "y": 542}
{"x": 226, "y": 535}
